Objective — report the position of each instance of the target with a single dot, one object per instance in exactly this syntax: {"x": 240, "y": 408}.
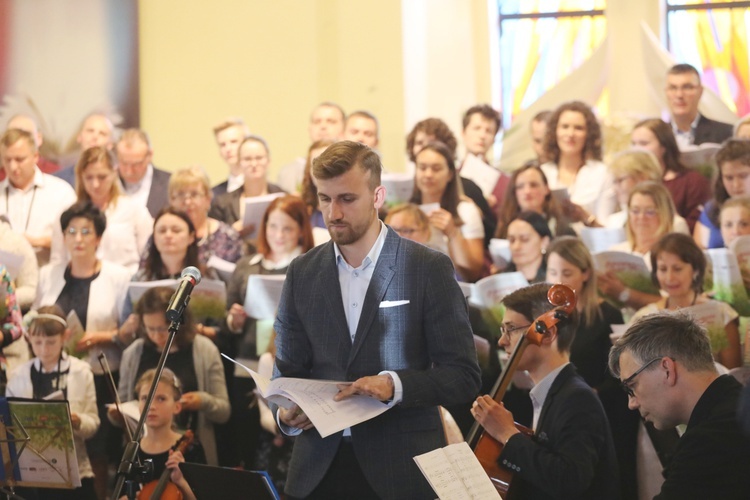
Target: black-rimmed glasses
{"x": 506, "y": 330}
{"x": 626, "y": 383}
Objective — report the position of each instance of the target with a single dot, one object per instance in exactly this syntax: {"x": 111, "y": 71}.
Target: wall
{"x": 269, "y": 63}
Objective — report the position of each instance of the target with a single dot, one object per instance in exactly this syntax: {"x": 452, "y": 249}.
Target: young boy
{"x": 50, "y": 371}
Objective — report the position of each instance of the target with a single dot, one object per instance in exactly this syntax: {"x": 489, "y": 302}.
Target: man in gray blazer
{"x": 139, "y": 178}
{"x": 380, "y": 311}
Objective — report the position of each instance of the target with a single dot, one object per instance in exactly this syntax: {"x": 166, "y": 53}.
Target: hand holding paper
{"x": 379, "y": 387}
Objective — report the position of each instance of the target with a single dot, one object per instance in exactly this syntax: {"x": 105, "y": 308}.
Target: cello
{"x": 486, "y": 448}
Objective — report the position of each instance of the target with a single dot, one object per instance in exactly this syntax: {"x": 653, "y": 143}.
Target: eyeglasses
{"x": 507, "y": 330}
{"x": 626, "y": 383}
{"x": 84, "y": 231}
{"x": 189, "y": 195}
{"x": 689, "y": 87}
{"x": 649, "y": 212}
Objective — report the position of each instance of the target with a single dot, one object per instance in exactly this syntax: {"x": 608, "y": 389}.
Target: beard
{"x": 348, "y": 233}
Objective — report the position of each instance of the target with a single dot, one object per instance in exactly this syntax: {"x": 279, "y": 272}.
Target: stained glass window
{"x": 713, "y": 37}
{"x": 541, "y": 42}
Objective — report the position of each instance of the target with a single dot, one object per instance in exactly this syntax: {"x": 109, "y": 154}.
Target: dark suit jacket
{"x": 712, "y": 458}
{"x": 158, "y": 197}
{"x": 709, "y": 130}
{"x": 68, "y": 174}
{"x": 571, "y": 454}
{"x": 427, "y": 342}
{"x": 220, "y": 189}
{"x": 226, "y": 207}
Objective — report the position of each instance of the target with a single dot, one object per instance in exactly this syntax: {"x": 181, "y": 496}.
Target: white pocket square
{"x": 393, "y": 303}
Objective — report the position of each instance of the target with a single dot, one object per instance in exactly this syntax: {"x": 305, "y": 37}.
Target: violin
{"x": 163, "y": 488}
{"x": 486, "y": 448}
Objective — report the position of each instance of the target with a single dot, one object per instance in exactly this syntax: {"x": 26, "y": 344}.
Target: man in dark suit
{"x": 571, "y": 454}
{"x": 140, "y": 179}
{"x": 666, "y": 367}
{"x": 684, "y": 91}
{"x": 385, "y": 313}
{"x": 229, "y": 135}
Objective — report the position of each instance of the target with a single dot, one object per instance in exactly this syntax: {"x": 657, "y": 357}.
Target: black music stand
{"x": 228, "y": 484}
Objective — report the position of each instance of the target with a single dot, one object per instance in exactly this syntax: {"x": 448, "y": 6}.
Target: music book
{"x": 630, "y": 269}
{"x": 255, "y": 207}
{"x": 398, "y": 187}
{"x": 599, "y": 239}
{"x": 454, "y": 473}
{"x": 489, "y": 291}
{"x": 483, "y": 175}
{"x": 76, "y": 333}
{"x": 223, "y": 268}
{"x": 263, "y": 295}
{"x": 500, "y": 252}
{"x": 208, "y": 299}
{"x": 724, "y": 275}
{"x": 315, "y": 398}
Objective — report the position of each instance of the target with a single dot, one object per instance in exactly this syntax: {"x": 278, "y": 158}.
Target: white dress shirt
{"x": 539, "y": 392}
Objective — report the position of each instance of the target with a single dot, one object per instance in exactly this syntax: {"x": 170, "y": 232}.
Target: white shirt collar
{"x": 539, "y": 392}
{"x": 37, "y": 181}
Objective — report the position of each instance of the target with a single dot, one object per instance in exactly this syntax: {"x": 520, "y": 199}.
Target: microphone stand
{"x": 130, "y": 466}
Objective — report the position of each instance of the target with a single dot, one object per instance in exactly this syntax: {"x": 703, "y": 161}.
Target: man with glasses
{"x": 141, "y": 181}
{"x": 571, "y": 454}
{"x": 684, "y": 91}
{"x": 665, "y": 365}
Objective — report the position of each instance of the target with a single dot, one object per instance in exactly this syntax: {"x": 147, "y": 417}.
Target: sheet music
{"x": 455, "y": 473}
{"x": 224, "y": 268}
{"x": 263, "y": 295}
{"x": 315, "y": 397}
{"x": 398, "y": 187}
{"x": 255, "y": 207}
{"x": 428, "y": 208}
{"x": 599, "y": 239}
{"x": 483, "y": 175}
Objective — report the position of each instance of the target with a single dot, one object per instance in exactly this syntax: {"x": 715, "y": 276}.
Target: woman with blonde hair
{"x": 570, "y": 263}
{"x": 650, "y": 216}
{"x": 129, "y": 225}
{"x": 190, "y": 192}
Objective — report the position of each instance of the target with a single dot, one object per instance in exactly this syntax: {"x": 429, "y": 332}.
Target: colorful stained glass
{"x": 716, "y": 42}
{"x": 537, "y": 52}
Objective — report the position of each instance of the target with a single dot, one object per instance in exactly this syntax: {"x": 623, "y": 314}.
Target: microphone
{"x": 188, "y": 279}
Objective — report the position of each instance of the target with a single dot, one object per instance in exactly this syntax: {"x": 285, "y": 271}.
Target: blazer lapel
{"x": 235, "y": 205}
{"x": 381, "y": 278}
{"x": 562, "y": 377}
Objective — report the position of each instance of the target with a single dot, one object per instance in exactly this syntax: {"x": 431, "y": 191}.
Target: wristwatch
{"x": 624, "y": 295}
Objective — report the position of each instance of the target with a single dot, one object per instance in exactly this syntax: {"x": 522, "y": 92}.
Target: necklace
{"x": 31, "y": 205}
{"x": 204, "y": 238}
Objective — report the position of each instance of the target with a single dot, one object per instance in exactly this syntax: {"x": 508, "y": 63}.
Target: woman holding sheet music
{"x": 570, "y": 263}
{"x": 678, "y": 267}
{"x": 95, "y": 290}
{"x": 284, "y": 234}
{"x": 190, "y": 191}
{"x": 457, "y": 228}
{"x": 528, "y": 190}
{"x": 193, "y": 358}
{"x": 650, "y": 216}
{"x": 254, "y": 158}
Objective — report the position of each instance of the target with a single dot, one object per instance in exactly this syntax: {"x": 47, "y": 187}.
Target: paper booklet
{"x": 710, "y": 315}
{"x": 561, "y": 195}
{"x": 398, "y": 187}
{"x": 41, "y": 443}
{"x": 698, "y": 156}
{"x": 263, "y": 295}
{"x": 208, "y": 299}
{"x": 630, "y": 269}
{"x": 315, "y": 398}
{"x": 223, "y": 268}
{"x": 76, "y": 333}
{"x": 483, "y": 175}
{"x": 255, "y": 207}
{"x": 428, "y": 208}
{"x": 131, "y": 413}
{"x": 454, "y": 473}
{"x": 489, "y": 291}
{"x": 500, "y": 252}
{"x": 599, "y": 239}
{"x": 724, "y": 278}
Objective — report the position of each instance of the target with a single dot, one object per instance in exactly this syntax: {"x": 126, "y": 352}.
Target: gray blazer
{"x": 427, "y": 342}
{"x": 708, "y": 130}
{"x": 157, "y": 196}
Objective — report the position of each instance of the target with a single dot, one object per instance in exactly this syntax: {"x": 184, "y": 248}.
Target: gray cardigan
{"x": 212, "y": 388}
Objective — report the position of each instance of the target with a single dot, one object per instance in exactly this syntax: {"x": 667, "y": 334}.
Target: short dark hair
{"x": 487, "y": 112}
{"x": 682, "y": 68}
{"x": 342, "y": 156}
{"x": 532, "y": 302}
{"x": 665, "y": 136}
{"x": 665, "y": 334}
{"x": 536, "y": 221}
{"x": 85, "y": 210}
{"x": 364, "y": 114}
{"x": 684, "y": 247}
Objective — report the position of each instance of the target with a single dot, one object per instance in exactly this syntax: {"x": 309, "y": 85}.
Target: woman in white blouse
{"x": 129, "y": 225}
{"x": 573, "y": 143}
{"x": 456, "y": 222}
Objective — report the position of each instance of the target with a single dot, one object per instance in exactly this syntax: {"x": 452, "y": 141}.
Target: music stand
{"x": 228, "y": 484}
